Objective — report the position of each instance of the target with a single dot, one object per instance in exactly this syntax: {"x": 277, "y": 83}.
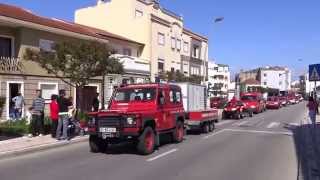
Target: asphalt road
{"x": 258, "y": 148}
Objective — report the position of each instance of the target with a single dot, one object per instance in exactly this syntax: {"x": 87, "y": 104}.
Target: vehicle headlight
{"x": 131, "y": 121}
{"x": 253, "y": 106}
{"x": 234, "y": 109}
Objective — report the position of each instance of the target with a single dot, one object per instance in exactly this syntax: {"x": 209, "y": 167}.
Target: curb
{"x": 42, "y": 147}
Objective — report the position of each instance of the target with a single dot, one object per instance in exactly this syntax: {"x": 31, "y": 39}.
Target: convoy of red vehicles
{"x": 142, "y": 113}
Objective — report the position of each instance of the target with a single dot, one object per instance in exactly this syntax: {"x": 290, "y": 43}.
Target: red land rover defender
{"x": 139, "y": 113}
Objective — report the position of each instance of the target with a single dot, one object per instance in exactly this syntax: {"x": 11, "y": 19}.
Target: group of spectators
{"x": 61, "y": 109}
{"x": 59, "y": 114}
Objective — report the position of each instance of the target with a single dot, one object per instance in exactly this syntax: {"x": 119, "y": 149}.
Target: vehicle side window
{"x": 161, "y": 98}
{"x": 175, "y": 96}
{"x": 178, "y": 97}
{"x": 171, "y": 95}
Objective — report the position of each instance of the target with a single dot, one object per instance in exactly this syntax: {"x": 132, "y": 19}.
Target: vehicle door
{"x": 175, "y": 105}
{"x": 163, "y": 114}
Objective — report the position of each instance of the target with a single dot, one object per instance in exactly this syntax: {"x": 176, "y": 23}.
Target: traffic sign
{"x": 314, "y": 72}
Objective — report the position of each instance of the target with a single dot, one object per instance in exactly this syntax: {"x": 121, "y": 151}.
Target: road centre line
{"x": 214, "y": 134}
{"x": 241, "y": 123}
{"x": 162, "y": 155}
{"x": 261, "y": 132}
{"x": 273, "y": 124}
{"x": 223, "y": 122}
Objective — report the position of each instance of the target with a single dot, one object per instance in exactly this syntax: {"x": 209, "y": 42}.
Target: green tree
{"x": 77, "y": 62}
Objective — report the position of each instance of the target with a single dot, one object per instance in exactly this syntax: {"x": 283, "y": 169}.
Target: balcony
{"x": 133, "y": 64}
{"x": 10, "y": 64}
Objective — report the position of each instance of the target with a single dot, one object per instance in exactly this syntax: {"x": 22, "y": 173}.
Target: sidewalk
{"x": 22, "y": 145}
{"x": 307, "y": 143}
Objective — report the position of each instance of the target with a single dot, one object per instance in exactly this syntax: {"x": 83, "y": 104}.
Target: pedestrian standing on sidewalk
{"x": 312, "y": 107}
{"x": 95, "y": 103}
{"x": 63, "y": 104}
{"x": 37, "y": 115}
{"x": 18, "y": 106}
{"x": 54, "y": 115}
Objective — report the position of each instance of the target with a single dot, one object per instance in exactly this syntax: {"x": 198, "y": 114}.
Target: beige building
{"x": 168, "y": 45}
{"x": 21, "y": 29}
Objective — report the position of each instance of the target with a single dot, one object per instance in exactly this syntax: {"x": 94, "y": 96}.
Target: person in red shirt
{"x": 54, "y": 115}
{"x": 313, "y": 107}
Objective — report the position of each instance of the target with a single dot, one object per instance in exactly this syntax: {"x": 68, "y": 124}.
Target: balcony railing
{"x": 133, "y": 63}
{"x": 10, "y": 64}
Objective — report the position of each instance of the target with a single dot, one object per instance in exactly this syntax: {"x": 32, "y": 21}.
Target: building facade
{"x": 218, "y": 79}
{"x": 168, "y": 45}
{"x": 21, "y": 29}
{"x": 276, "y": 78}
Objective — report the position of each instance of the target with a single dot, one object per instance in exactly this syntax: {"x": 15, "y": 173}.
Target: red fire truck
{"x": 141, "y": 113}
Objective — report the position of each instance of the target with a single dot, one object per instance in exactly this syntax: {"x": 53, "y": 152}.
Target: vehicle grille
{"x": 114, "y": 121}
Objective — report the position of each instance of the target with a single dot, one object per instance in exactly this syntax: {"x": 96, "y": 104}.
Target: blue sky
{"x": 254, "y": 32}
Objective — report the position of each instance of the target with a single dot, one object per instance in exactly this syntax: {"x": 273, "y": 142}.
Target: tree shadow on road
{"x": 307, "y": 145}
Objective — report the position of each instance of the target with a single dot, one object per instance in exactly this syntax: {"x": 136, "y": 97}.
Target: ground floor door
{"x": 13, "y": 88}
{"x": 88, "y": 93}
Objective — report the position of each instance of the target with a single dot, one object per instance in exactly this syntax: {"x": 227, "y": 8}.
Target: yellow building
{"x": 168, "y": 45}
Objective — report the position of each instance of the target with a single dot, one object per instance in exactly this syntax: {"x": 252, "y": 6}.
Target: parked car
{"x": 254, "y": 101}
{"x": 273, "y": 102}
{"x": 237, "y": 109}
{"x": 292, "y": 100}
{"x": 284, "y": 100}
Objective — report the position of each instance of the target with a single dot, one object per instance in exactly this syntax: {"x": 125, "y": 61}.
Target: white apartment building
{"x": 276, "y": 78}
{"x": 218, "y": 79}
{"x": 168, "y": 46}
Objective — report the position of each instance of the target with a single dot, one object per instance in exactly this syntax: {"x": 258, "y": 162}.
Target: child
{"x": 54, "y": 115}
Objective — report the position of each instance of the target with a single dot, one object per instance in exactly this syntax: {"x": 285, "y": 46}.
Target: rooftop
{"x": 18, "y": 13}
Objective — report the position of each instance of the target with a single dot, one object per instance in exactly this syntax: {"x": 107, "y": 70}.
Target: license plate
{"x": 108, "y": 130}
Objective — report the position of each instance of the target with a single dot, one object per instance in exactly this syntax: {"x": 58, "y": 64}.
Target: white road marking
{"x": 261, "y": 132}
{"x": 273, "y": 125}
{"x": 241, "y": 123}
{"x": 162, "y": 155}
{"x": 210, "y": 135}
{"x": 224, "y": 122}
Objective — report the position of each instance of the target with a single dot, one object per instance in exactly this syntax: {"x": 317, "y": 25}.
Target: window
{"x": 127, "y": 52}
{"x": 216, "y": 68}
{"x": 186, "y": 47}
{"x": 172, "y": 69}
{"x": 175, "y": 96}
{"x": 265, "y": 83}
{"x": 195, "y": 71}
{"x": 161, "y": 39}
{"x": 138, "y": 13}
{"x": 5, "y": 47}
{"x": 128, "y": 95}
{"x": 173, "y": 42}
{"x": 195, "y": 52}
{"x": 48, "y": 89}
{"x": 179, "y": 44}
{"x": 280, "y": 83}
{"x": 46, "y": 45}
{"x": 265, "y": 74}
{"x": 160, "y": 67}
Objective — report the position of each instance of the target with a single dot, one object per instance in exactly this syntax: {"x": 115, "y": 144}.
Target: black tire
{"x": 237, "y": 115}
{"x": 211, "y": 126}
{"x": 177, "y": 137}
{"x": 250, "y": 114}
{"x": 143, "y": 146}
{"x": 206, "y": 128}
{"x": 97, "y": 145}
